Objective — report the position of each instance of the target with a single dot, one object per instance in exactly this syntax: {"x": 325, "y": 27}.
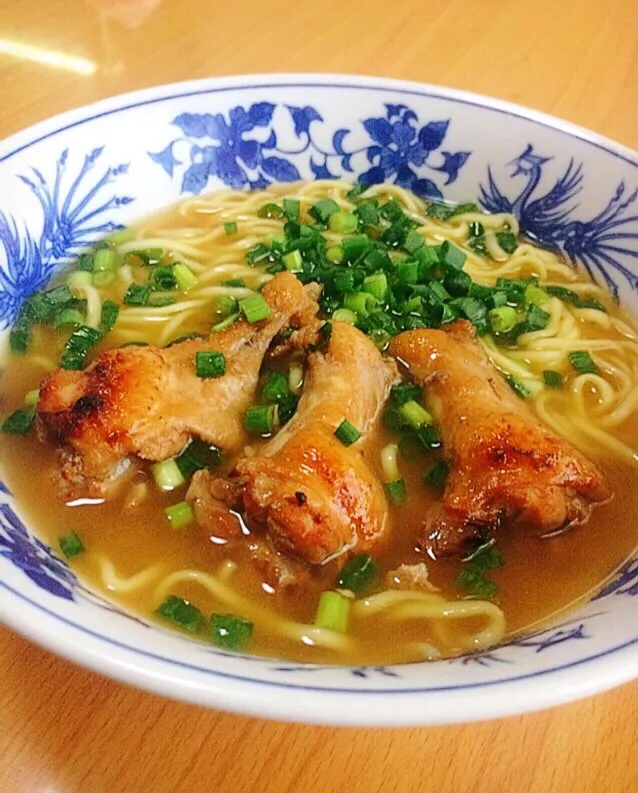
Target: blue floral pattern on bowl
{"x": 81, "y": 192}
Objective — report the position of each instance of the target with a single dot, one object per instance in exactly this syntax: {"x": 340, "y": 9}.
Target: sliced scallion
{"x": 180, "y": 515}
{"x": 333, "y": 612}
{"x": 167, "y": 474}
{"x": 347, "y": 433}
{"x": 230, "y": 632}
{"x": 71, "y": 545}
{"x": 254, "y": 308}
{"x": 185, "y": 277}
{"x": 182, "y": 613}
{"x": 210, "y": 363}
{"x": 261, "y": 419}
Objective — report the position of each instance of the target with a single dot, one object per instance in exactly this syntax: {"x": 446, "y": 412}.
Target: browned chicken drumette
{"x": 148, "y": 401}
{"x": 506, "y": 467}
{"x": 317, "y": 497}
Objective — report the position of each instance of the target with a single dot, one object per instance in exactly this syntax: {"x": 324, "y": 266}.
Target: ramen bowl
{"x": 86, "y": 173}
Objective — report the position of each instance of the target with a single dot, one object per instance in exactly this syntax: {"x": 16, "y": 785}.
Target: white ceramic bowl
{"x": 70, "y": 179}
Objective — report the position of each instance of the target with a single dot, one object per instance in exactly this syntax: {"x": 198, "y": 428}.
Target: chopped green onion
{"x": 210, "y": 363}
{"x": 583, "y": 363}
{"x": 568, "y": 296}
{"x": 270, "y": 211}
{"x": 19, "y": 422}
{"x": 405, "y": 393}
{"x": 144, "y": 258}
{"x": 334, "y": 254}
{"x": 506, "y": 241}
{"x": 536, "y": 319}
{"x": 476, "y": 229}
{"x": 162, "y": 278}
{"x": 230, "y": 632}
{"x": 472, "y": 579}
{"x": 360, "y": 302}
{"x": 325, "y": 334}
{"x": 389, "y": 464}
{"x": 333, "y": 612}
{"x": 261, "y": 419}
{"x": 104, "y": 259}
{"x": 347, "y": 433}
{"x": 180, "y": 515}
{"x": 185, "y": 277}
{"x": 376, "y": 285}
{"x": 358, "y": 575}
{"x": 71, "y": 545}
{"x": 502, "y": 319}
{"x": 103, "y": 277}
{"x": 68, "y": 318}
{"x": 167, "y": 474}
{"x": 292, "y": 261}
{"x": 451, "y": 256}
{"x": 396, "y": 491}
{"x": 137, "y": 295}
{"x": 109, "y": 315}
{"x": 275, "y": 388}
{"x": 437, "y": 475}
{"x": 354, "y": 192}
{"x": 234, "y": 282}
{"x": 79, "y": 278}
{"x": 182, "y": 613}
{"x": 354, "y": 247}
{"x": 343, "y": 222}
{"x": 413, "y": 241}
{"x": 230, "y": 227}
{"x": 77, "y": 347}
{"x": 429, "y": 437}
{"x": 536, "y": 296}
{"x": 85, "y": 262}
{"x": 225, "y": 305}
{"x": 408, "y": 272}
{"x": 197, "y": 456}
{"x": 458, "y": 283}
{"x": 225, "y": 323}
{"x": 345, "y": 315}
{"x": 517, "y": 387}
{"x": 442, "y": 211}
{"x": 291, "y": 208}
{"x": 323, "y": 209}
{"x": 552, "y": 379}
{"x": 121, "y": 236}
{"x": 414, "y": 415}
{"x": 31, "y": 397}
{"x": 258, "y": 253}
{"x": 368, "y": 213}
{"x": 295, "y": 377}
{"x": 254, "y": 308}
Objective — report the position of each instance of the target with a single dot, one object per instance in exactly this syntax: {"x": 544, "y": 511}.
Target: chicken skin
{"x": 506, "y": 467}
{"x": 317, "y": 497}
{"x": 149, "y": 402}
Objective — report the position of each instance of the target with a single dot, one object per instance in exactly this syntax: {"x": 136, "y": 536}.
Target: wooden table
{"x": 65, "y": 730}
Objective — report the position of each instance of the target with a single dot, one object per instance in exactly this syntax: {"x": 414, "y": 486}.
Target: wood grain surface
{"x": 66, "y": 730}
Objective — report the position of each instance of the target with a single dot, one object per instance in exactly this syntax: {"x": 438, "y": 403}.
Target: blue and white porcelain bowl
{"x": 69, "y": 180}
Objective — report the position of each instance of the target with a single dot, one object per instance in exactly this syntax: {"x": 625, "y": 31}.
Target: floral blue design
{"x": 625, "y": 583}
{"x": 73, "y": 217}
{"x": 362, "y": 672}
{"x": 548, "y": 219}
{"x": 243, "y": 150}
{"x": 33, "y": 557}
{"x": 572, "y": 630}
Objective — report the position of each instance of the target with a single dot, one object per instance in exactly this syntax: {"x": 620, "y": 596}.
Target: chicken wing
{"x": 506, "y": 466}
{"x": 148, "y": 401}
{"x": 317, "y": 497}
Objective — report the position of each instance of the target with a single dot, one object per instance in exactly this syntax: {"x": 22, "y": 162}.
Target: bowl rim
{"x": 325, "y": 705}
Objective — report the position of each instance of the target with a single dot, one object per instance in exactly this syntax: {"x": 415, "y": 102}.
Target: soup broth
{"x": 132, "y": 554}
